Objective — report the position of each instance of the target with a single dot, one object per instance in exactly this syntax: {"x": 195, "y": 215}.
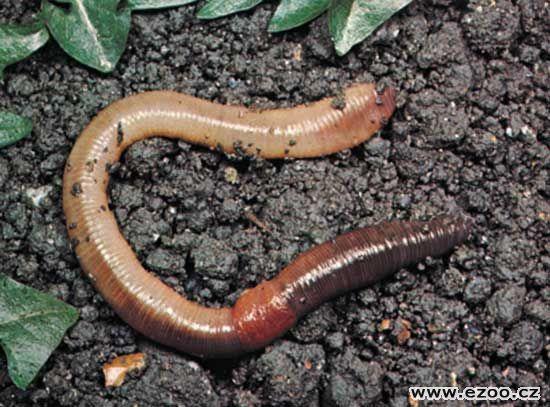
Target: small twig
{"x": 256, "y": 221}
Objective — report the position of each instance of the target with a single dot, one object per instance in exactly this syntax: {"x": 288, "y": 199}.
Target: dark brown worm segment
{"x": 267, "y": 311}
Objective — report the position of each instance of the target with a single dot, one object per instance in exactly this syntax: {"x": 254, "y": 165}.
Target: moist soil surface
{"x": 470, "y": 135}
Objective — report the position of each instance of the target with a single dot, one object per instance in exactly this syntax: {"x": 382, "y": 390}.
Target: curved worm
{"x": 265, "y": 312}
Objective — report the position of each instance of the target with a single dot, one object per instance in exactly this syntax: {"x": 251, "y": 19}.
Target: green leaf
{"x": 220, "y": 8}
{"x": 94, "y": 32}
{"x": 32, "y": 325}
{"x": 293, "y": 13}
{"x": 351, "y": 21}
{"x": 155, "y": 4}
{"x": 17, "y": 42}
{"x": 13, "y": 128}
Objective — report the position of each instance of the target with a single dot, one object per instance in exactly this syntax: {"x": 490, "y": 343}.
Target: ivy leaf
{"x": 94, "y": 32}
{"x": 220, "y": 8}
{"x": 32, "y": 325}
{"x": 351, "y": 21}
{"x": 293, "y": 13}
{"x": 17, "y": 42}
{"x": 13, "y": 128}
{"x": 155, "y": 4}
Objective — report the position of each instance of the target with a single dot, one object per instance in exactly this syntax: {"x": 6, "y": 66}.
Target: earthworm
{"x": 265, "y": 312}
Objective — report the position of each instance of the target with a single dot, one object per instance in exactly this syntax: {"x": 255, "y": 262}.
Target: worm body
{"x": 265, "y": 312}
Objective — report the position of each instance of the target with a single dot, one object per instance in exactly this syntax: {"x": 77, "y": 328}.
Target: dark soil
{"x": 471, "y": 134}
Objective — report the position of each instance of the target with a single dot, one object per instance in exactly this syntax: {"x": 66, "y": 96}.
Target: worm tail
{"x": 365, "y": 256}
{"x": 351, "y": 261}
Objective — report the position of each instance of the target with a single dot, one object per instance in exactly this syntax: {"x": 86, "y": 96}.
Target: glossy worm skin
{"x": 265, "y": 312}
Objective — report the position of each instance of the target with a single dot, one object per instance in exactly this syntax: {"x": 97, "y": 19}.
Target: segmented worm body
{"x": 265, "y": 312}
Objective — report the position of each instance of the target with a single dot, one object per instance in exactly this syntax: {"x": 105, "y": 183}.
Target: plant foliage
{"x": 156, "y": 4}
{"x": 221, "y": 8}
{"x": 32, "y": 325}
{"x": 95, "y": 32}
{"x": 294, "y": 13}
{"x": 13, "y": 128}
{"x": 20, "y": 41}
{"x": 351, "y": 21}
